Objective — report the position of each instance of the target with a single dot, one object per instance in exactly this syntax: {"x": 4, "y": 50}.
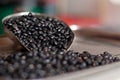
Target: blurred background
{"x": 80, "y": 13}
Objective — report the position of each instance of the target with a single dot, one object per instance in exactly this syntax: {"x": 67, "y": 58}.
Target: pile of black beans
{"x": 39, "y": 31}
{"x": 39, "y": 64}
{"x": 47, "y": 39}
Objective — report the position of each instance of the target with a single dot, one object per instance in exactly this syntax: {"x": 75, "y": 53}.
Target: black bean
{"x": 39, "y": 64}
{"x": 82, "y": 65}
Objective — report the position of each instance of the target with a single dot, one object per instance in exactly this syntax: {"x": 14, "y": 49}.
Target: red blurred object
{"x": 82, "y": 22}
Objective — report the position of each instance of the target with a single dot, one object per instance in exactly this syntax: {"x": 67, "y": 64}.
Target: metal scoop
{"x": 16, "y": 40}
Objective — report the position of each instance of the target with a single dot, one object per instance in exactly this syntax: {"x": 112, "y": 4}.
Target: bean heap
{"x": 38, "y": 31}
{"x": 39, "y": 64}
{"x": 47, "y": 39}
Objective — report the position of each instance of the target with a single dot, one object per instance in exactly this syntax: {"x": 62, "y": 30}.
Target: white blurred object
{"x": 74, "y": 27}
{"x": 116, "y": 2}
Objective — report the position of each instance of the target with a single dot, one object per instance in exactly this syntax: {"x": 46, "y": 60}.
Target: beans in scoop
{"x": 38, "y": 31}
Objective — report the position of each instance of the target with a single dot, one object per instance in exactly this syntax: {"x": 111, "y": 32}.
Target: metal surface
{"x": 94, "y": 46}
